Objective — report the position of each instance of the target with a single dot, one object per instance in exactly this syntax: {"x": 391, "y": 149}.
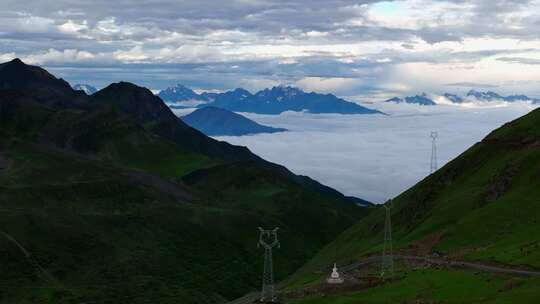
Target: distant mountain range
{"x": 472, "y": 96}
{"x": 180, "y": 94}
{"x": 86, "y": 88}
{"x": 492, "y": 96}
{"x": 214, "y": 121}
{"x": 268, "y": 101}
{"x": 418, "y": 99}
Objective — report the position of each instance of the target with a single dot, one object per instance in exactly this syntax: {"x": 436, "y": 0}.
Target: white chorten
{"x": 334, "y": 277}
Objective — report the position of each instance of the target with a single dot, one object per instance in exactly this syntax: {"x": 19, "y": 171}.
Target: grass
{"x": 107, "y": 239}
{"x": 440, "y": 286}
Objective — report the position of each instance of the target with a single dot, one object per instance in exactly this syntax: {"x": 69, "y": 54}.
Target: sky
{"x": 362, "y": 50}
{"x": 375, "y": 157}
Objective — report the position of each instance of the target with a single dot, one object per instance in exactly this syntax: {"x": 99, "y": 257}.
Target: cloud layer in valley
{"x": 375, "y": 157}
{"x": 369, "y": 49}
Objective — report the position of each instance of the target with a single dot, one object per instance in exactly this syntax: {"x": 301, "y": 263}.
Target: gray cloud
{"x": 225, "y": 44}
{"x": 520, "y": 60}
{"x": 472, "y": 85}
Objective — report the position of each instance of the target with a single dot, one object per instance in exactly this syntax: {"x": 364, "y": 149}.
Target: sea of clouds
{"x": 374, "y": 157}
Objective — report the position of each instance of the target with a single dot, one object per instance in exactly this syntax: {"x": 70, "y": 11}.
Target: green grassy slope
{"x": 440, "y": 286}
{"x": 484, "y": 205}
{"x": 110, "y": 212}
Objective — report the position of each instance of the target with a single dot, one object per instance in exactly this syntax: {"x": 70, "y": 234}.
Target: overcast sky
{"x": 353, "y": 48}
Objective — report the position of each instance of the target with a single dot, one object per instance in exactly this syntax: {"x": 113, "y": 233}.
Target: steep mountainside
{"x": 38, "y": 83}
{"x": 220, "y": 122}
{"x": 140, "y": 104}
{"x": 112, "y": 199}
{"x": 483, "y": 206}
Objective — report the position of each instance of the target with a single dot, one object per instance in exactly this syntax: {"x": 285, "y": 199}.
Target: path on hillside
{"x": 47, "y": 276}
{"x": 449, "y": 263}
{"x": 508, "y": 270}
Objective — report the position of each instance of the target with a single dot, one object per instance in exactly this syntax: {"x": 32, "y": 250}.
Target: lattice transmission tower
{"x": 434, "y": 135}
{"x": 268, "y": 239}
{"x": 387, "y": 263}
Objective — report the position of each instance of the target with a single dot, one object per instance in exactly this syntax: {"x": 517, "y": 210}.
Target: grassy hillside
{"x": 99, "y": 206}
{"x": 483, "y": 206}
{"x": 440, "y": 286}
{"x": 106, "y": 229}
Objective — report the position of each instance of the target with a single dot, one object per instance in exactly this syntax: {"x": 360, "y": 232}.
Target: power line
{"x": 268, "y": 240}
{"x": 387, "y": 265}
{"x": 434, "y": 135}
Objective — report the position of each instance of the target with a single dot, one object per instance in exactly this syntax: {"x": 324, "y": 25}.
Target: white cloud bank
{"x": 374, "y": 157}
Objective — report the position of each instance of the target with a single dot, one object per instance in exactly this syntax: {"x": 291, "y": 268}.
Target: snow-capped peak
{"x": 86, "y": 88}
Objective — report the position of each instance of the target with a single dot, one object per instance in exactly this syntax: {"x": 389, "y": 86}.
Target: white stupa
{"x": 334, "y": 277}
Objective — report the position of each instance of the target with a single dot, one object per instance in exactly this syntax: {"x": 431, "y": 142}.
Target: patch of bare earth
{"x": 500, "y": 184}
{"x": 424, "y": 247}
{"x": 351, "y": 284}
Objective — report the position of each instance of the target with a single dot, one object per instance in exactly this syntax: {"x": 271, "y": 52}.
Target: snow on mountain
{"x": 421, "y": 99}
{"x": 274, "y": 100}
{"x": 490, "y": 96}
{"x": 180, "y": 95}
{"x": 86, "y": 88}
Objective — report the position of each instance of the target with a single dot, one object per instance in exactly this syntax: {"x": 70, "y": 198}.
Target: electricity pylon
{"x": 387, "y": 265}
{"x": 268, "y": 239}
{"x": 434, "y": 135}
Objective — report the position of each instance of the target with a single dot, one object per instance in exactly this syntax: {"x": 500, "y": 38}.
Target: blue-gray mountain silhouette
{"x": 417, "y": 99}
{"x": 214, "y": 121}
{"x": 179, "y": 93}
{"x": 268, "y": 101}
{"x": 492, "y": 96}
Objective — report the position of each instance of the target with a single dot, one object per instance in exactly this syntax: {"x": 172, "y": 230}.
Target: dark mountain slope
{"x": 111, "y": 212}
{"x": 214, "y": 121}
{"x": 100, "y": 227}
{"x": 38, "y": 83}
{"x": 151, "y": 112}
{"x": 140, "y": 104}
